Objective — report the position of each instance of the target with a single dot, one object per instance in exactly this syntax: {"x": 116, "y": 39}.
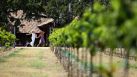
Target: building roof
{"x": 49, "y": 20}
{"x": 27, "y": 26}
{"x": 32, "y": 25}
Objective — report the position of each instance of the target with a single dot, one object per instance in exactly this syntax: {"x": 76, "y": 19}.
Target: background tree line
{"x": 63, "y": 11}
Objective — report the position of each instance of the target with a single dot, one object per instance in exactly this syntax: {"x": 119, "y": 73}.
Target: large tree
{"x": 61, "y": 10}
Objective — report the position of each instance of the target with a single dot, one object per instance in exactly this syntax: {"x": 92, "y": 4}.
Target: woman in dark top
{"x": 42, "y": 40}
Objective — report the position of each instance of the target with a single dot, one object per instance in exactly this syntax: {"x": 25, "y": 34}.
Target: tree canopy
{"x": 63, "y": 11}
{"x": 101, "y": 28}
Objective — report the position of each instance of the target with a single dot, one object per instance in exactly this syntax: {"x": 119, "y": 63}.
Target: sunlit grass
{"x": 37, "y": 64}
{"x": 30, "y": 63}
{"x": 13, "y": 54}
{"x": 2, "y": 60}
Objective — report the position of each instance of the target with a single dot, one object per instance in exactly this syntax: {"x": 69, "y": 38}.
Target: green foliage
{"x": 37, "y": 64}
{"x": 101, "y": 27}
{"x": 6, "y": 39}
{"x": 64, "y": 37}
{"x": 57, "y": 9}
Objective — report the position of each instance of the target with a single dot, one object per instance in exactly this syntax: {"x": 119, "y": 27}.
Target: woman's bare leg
{"x": 38, "y": 45}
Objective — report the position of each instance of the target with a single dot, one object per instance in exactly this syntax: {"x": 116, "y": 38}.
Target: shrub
{"x": 6, "y": 38}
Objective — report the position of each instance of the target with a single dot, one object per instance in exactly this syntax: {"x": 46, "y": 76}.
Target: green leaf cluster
{"x": 6, "y": 39}
{"x": 101, "y": 27}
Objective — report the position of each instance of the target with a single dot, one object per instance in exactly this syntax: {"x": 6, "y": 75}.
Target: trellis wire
{"x": 76, "y": 61}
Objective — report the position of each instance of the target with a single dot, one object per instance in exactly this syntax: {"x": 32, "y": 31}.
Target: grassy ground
{"x": 31, "y": 62}
{"x": 118, "y": 64}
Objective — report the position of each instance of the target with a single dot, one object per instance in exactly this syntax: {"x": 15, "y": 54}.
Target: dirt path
{"x": 31, "y": 62}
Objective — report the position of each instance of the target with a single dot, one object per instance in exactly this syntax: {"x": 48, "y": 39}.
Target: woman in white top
{"x": 33, "y": 37}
